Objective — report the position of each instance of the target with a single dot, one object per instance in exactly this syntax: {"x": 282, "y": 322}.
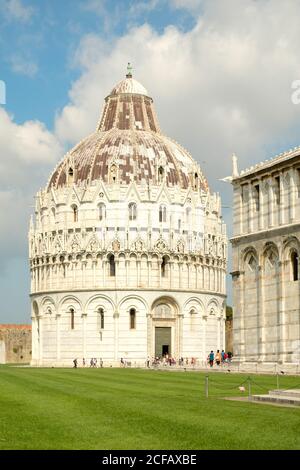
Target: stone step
{"x": 284, "y": 393}
{"x": 280, "y": 400}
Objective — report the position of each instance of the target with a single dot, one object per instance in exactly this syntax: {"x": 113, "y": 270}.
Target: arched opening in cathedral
{"x": 75, "y": 213}
{"x": 161, "y": 174}
{"x": 101, "y": 318}
{"x": 179, "y": 224}
{"x": 71, "y": 175}
{"x": 132, "y": 318}
{"x": 132, "y": 211}
{"x": 163, "y": 266}
{"x": 295, "y": 265}
{"x": 113, "y": 173}
{"x": 112, "y": 266}
{"x": 162, "y": 214}
{"x": 102, "y": 211}
{"x": 72, "y": 318}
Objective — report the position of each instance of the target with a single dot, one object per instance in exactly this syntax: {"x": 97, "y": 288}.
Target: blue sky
{"x": 37, "y": 50}
{"x": 220, "y": 74}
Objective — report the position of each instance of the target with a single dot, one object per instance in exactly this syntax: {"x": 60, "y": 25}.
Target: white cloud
{"x": 23, "y": 66}
{"x": 224, "y": 86}
{"x": 16, "y": 10}
{"x": 28, "y": 152}
{"x": 190, "y": 5}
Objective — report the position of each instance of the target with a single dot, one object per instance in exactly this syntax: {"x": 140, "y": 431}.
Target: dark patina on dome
{"x": 128, "y": 136}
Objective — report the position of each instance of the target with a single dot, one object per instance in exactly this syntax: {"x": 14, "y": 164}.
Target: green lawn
{"x": 139, "y": 409}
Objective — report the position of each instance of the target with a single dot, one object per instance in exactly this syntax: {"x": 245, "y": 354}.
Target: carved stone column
{"x": 58, "y": 320}
{"x": 180, "y": 334}
{"x": 116, "y": 334}
{"x": 281, "y": 336}
{"x": 204, "y": 326}
{"x": 84, "y": 317}
{"x": 40, "y": 335}
{"x": 260, "y": 313}
{"x": 293, "y": 189}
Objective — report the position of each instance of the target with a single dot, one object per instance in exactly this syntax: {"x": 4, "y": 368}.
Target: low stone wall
{"x": 15, "y": 343}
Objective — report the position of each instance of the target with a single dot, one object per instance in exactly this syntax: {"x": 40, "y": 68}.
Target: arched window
{"x": 179, "y": 224}
{"x": 163, "y": 267}
{"x": 132, "y": 317}
{"x": 162, "y": 214}
{"x": 196, "y": 181}
{"x": 132, "y": 211}
{"x": 161, "y": 174}
{"x": 72, "y": 318}
{"x": 71, "y": 175}
{"x": 112, "y": 266}
{"x": 75, "y": 213}
{"x": 102, "y": 211}
{"x": 295, "y": 265}
{"x": 101, "y": 318}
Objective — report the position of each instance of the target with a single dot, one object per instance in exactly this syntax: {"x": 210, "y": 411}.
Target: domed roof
{"x": 129, "y": 85}
{"x": 128, "y": 146}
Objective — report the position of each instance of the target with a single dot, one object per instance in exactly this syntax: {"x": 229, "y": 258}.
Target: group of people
{"x": 171, "y": 361}
{"x": 93, "y": 362}
{"x": 219, "y": 358}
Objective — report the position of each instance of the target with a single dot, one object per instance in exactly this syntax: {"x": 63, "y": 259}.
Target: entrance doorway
{"x": 162, "y": 341}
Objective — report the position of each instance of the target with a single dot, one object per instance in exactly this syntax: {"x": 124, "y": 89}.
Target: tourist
{"x": 218, "y": 357}
{"x": 101, "y": 362}
{"x": 75, "y": 363}
{"x": 211, "y": 358}
{"x": 83, "y": 362}
{"x": 223, "y": 356}
{"x": 91, "y": 362}
{"x": 148, "y": 362}
{"x": 122, "y": 362}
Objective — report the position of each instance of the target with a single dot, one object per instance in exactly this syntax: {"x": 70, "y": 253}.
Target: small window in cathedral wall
{"x": 132, "y": 318}
{"x": 277, "y": 190}
{"x": 102, "y": 211}
{"x": 71, "y": 176}
{"x": 164, "y": 267}
{"x": 132, "y": 211}
{"x": 295, "y": 265}
{"x": 162, "y": 214}
{"x": 256, "y": 197}
{"x": 101, "y": 318}
{"x": 196, "y": 181}
{"x": 161, "y": 174}
{"x": 75, "y": 213}
{"x": 72, "y": 315}
{"x": 112, "y": 266}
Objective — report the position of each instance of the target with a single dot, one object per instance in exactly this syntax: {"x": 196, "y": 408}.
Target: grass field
{"x": 139, "y": 409}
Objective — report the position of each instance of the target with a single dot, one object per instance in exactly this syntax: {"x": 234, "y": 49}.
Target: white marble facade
{"x": 266, "y": 247}
{"x": 127, "y": 238}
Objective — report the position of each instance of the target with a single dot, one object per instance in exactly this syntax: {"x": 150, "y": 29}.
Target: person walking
{"x": 218, "y": 358}
{"x": 75, "y": 363}
{"x": 211, "y": 358}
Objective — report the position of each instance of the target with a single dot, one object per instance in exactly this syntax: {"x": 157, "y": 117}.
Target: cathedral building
{"x": 127, "y": 247}
{"x": 266, "y": 248}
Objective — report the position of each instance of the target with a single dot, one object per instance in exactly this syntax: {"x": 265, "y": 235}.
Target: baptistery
{"x": 127, "y": 246}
